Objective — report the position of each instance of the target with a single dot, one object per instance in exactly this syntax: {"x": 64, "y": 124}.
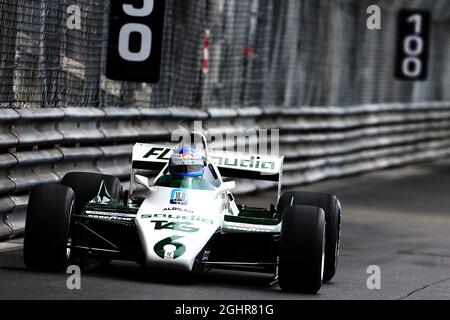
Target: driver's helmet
{"x": 187, "y": 162}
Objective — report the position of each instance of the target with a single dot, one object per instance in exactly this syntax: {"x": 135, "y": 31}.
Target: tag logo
{"x": 178, "y": 226}
{"x": 178, "y": 196}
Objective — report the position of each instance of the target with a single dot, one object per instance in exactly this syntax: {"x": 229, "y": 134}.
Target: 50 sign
{"x": 135, "y": 40}
{"x": 412, "y": 45}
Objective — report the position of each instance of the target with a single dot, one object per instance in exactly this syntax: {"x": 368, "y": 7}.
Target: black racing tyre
{"x": 332, "y": 208}
{"x": 47, "y": 227}
{"x": 86, "y": 185}
{"x": 302, "y": 249}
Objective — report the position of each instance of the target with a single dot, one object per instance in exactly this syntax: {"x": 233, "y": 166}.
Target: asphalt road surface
{"x": 396, "y": 219}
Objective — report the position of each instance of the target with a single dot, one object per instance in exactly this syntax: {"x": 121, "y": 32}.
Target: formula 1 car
{"x": 187, "y": 222}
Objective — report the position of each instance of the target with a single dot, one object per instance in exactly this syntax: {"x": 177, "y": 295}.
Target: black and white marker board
{"x": 413, "y": 40}
{"x": 135, "y": 40}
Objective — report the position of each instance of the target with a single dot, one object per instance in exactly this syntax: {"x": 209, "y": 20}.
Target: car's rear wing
{"x": 230, "y": 164}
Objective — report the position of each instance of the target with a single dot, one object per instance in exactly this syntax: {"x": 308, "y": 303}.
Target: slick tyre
{"x": 332, "y": 208}
{"x": 86, "y": 185}
{"x": 302, "y": 249}
{"x": 47, "y": 227}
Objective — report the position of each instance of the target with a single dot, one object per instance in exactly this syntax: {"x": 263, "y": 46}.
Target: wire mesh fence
{"x": 261, "y": 53}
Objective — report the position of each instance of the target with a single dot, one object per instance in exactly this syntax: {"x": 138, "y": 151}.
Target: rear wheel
{"x": 47, "y": 227}
{"x": 332, "y": 208}
{"x": 302, "y": 251}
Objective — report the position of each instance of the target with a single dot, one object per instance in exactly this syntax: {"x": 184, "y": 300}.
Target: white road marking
{"x": 9, "y": 246}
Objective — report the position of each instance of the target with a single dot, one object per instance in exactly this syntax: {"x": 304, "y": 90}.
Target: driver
{"x": 187, "y": 162}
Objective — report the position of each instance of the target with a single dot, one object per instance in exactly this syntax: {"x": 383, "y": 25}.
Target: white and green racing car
{"x": 186, "y": 219}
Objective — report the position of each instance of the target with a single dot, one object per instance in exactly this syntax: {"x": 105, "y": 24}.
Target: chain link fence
{"x": 261, "y": 53}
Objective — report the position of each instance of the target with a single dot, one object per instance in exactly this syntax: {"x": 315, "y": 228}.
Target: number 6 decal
{"x": 169, "y": 248}
{"x": 135, "y": 40}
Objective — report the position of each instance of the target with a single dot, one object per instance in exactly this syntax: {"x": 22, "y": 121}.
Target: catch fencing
{"x": 310, "y": 68}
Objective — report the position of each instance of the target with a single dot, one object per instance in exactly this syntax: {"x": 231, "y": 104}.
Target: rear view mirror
{"x": 143, "y": 181}
{"x": 226, "y": 186}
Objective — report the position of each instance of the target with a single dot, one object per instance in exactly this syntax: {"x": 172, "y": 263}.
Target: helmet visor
{"x": 187, "y": 169}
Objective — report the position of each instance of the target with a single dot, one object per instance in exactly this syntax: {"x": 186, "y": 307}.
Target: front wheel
{"x": 47, "y": 227}
{"x": 302, "y": 249}
{"x": 332, "y": 208}
{"x": 86, "y": 185}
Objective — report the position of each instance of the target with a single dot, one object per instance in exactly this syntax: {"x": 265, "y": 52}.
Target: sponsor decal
{"x": 252, "y": 163}
{"x": 110, "y": 215}
{"x": 178, "y": 196}
{"x": 250, "y": 227}
{"x": 176, "y": 226}
{"x": 159, "y": 153}
{"x": 178, "y": 209}
{"x": 177, "y": 217}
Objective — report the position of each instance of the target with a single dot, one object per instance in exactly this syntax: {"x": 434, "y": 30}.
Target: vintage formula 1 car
{"x": 188, "y": 219}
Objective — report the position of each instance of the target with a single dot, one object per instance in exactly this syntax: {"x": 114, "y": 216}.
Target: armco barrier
{"x": 41, "y": 145}
{"x": 7, "y": 118}
{"x": 6, "y": 206}
{"x": 37, "y": 127}
{"x": 80, "y": 125}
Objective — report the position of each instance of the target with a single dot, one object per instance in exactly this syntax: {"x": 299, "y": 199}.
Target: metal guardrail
{"x": 41, "y": 145}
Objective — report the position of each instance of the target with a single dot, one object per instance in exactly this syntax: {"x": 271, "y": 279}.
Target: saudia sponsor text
{"x": 177, "y": 217}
